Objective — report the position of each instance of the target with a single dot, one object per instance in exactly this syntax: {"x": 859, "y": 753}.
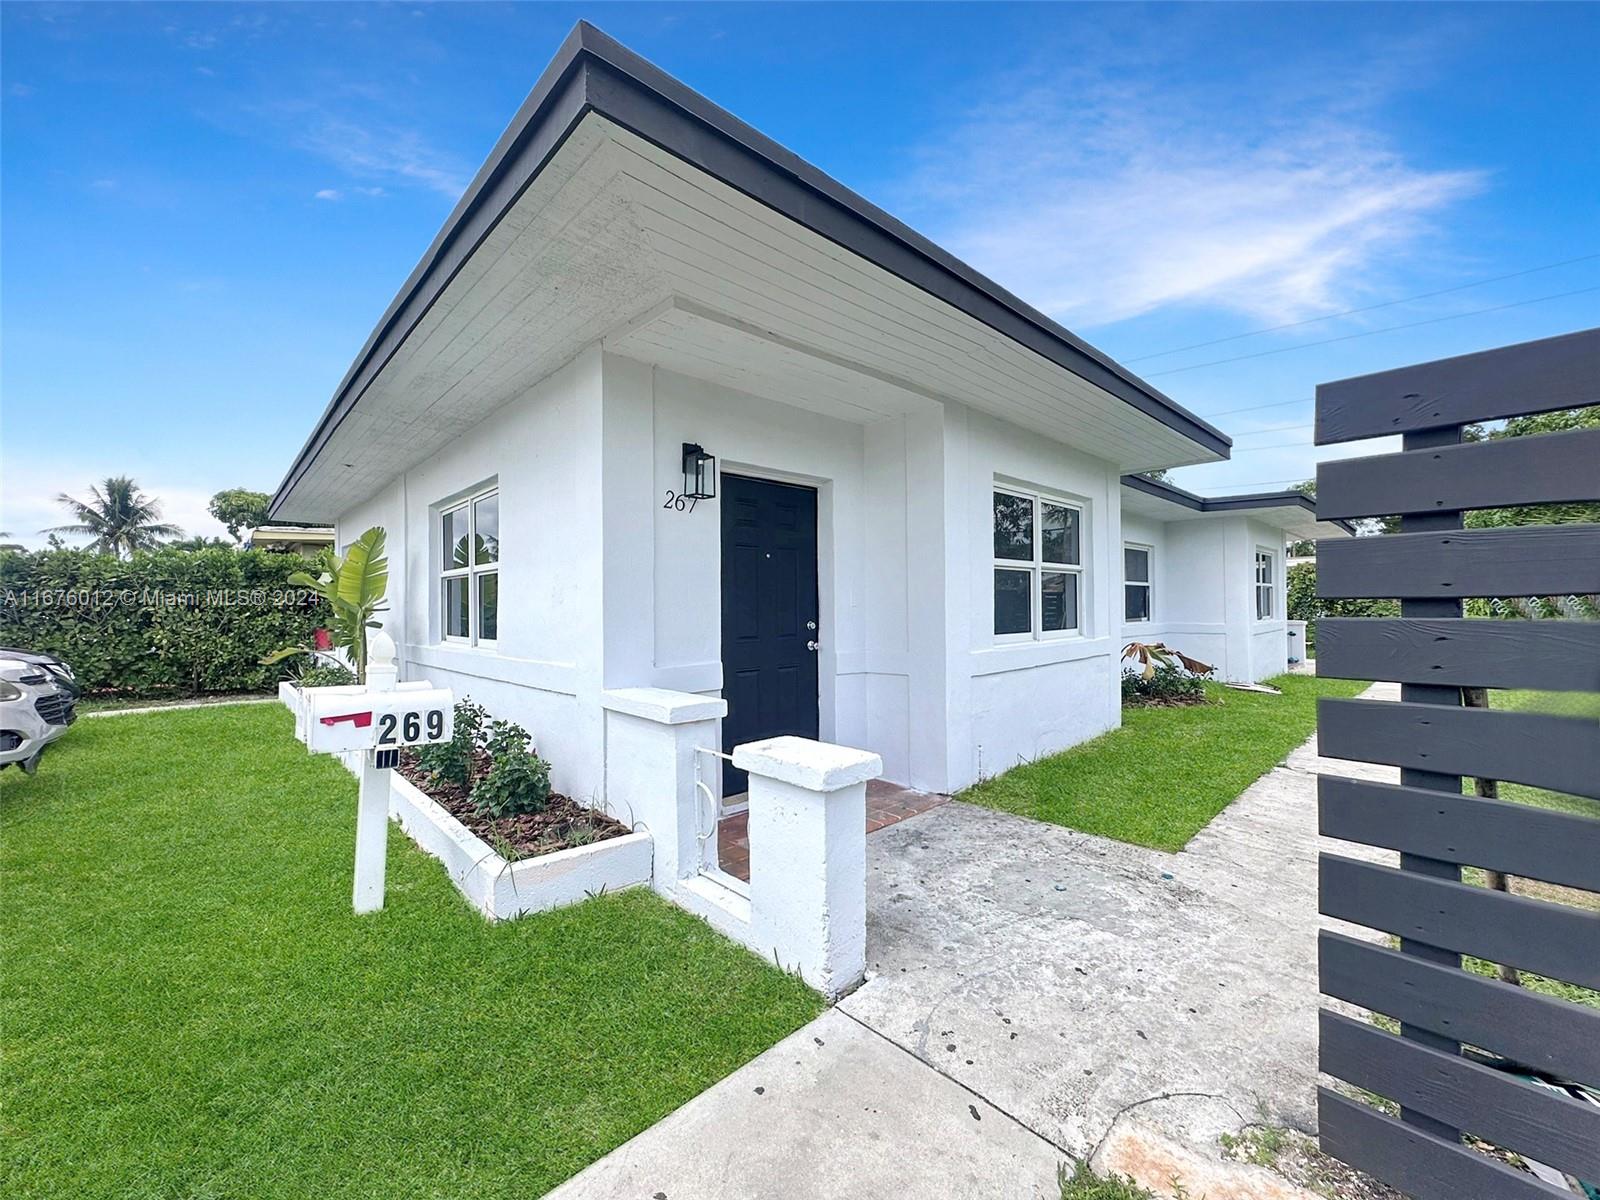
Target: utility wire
{"x": 1369, "y": 332}
{"x": 1274, "y": 429}
{"x": 1274, "y": 446}
{"x": 1350, "y": 312}
{"x": 1256, "y": 407}
{"x": 1261, "y": 483}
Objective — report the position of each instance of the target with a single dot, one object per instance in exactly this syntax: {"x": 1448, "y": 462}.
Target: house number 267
{"x": 680, "y": 503}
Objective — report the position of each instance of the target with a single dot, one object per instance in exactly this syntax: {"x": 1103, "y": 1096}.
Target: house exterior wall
{"x": 1203, "y": 594}
{"x": 1012, "y": 702}
{"x": 605, "y": 585}
{"x": 543, "y": 452}
{"x": 1269, "y": 640}
{"x": 662, "y": 577}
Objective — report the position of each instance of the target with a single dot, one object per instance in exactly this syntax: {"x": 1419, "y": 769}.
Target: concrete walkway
{"x": 1080, "y": 995}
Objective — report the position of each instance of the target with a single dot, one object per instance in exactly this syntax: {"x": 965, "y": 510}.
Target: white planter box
{"x": 497, "y": 888}
{"x": 501, "y": 889}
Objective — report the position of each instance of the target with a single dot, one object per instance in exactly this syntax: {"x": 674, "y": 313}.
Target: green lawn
{"x": 191, "y": 1010}
{"x": 1565, "y": 704}
{"x": 1161, "y": 777}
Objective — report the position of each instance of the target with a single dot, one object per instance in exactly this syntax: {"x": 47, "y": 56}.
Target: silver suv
{"x": 35, "y": 709}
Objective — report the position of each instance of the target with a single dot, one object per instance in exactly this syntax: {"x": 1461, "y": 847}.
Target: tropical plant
{"x": 118, "y": 516}
{"x": 1153, "y": 655}
{"x": 9, "y": 545}
{"x": 1168, "y": 685}
{"x": 239, "y": 508}
{"x": 353, "y": 587}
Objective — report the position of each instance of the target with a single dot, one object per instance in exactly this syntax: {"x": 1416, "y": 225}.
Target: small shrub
{"x": 1082, "y": 1183}
{"x": 1165, "y": 685}
{"x": 456, "y": 760}
{"x": 518, "y": 780}
{"x": 326, "y": 675}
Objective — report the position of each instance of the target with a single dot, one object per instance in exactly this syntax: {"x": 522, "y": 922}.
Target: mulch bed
{"x": 563, "y": 824}
{"x": 1164, "y": 701}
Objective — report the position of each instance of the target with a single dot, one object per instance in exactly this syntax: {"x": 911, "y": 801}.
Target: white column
{"x": 808, "y": 857}
{"x": 652, "y": 735}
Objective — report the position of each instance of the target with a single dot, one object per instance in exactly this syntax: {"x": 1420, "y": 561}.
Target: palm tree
{"x": 118, "y": 516}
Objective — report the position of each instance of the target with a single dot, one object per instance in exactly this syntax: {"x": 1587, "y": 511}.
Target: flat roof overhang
{"x": 592, "y": 74}
{"x": 1293, "y": 512}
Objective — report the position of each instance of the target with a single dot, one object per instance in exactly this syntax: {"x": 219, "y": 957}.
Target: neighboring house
{"x": 1207, "y": 576}
{"x": 917, "y": 536}
{"x": 305, "y": 540}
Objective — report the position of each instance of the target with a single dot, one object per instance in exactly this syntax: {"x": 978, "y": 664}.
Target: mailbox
{"x": 338, "y": 720}
{"x": 378, "y": 719}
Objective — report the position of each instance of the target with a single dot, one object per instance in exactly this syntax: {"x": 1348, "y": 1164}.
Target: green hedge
{"x": 1305, "y": 605}
{"x": 166, "y": 621}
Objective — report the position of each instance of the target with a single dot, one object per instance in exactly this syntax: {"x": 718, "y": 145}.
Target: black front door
{"x": 769, "y": 614}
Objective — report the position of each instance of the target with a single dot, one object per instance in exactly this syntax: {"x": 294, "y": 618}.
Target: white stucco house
{"x": 922, "y": 534}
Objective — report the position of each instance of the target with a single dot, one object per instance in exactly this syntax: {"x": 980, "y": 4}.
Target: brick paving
{"x": 887, "y": 803}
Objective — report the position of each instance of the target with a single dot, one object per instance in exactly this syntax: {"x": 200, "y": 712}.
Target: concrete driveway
{"x": 1034, "y": 992}
{"x": 1070, "y": 980}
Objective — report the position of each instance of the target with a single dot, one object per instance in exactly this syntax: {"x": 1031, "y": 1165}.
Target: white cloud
{"x": 370, "y": 152}
{"x": 328, "y": 194}
{"x": 1098, "y": 197}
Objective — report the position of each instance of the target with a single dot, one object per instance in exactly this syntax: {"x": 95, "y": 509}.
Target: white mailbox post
{"x": 376, "y": 720}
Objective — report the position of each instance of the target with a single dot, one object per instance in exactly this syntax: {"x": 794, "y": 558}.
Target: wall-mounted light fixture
{"x": 699, "y": 473}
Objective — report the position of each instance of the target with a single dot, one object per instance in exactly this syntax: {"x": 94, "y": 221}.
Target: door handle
{"x": 813, "y": 645}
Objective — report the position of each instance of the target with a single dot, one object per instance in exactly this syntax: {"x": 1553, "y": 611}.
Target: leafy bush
{"x": 456, "y": 760}
{"x": 324, "y": 674}
{"x": 164, "y": 621}
{"x": 1164, "y": 685}
{"x": 518, "y": 780}
{"x": 1083, "y": 1183}
{"x": 490, "y": 760}
{"x": 1305, "y": 605}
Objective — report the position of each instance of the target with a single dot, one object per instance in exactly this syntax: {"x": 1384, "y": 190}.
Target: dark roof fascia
{"x": 1209, "y": 504}
{"x": 593, "y": 72}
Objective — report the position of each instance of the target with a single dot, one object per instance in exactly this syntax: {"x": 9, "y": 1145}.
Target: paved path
{"x": 1094, "y": 995}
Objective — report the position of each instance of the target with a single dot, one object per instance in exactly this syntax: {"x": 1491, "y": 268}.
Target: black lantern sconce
{"x": 699, "y": 473}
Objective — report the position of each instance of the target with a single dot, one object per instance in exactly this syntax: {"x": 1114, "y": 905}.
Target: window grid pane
{"x": 1013, "y": 601}
{"x": 455, "y": 607}
{"x": 1061, "y": 535}
{"x": 1058, "y": 601}
{"x": 454, "y": 528}
{"x": 1013, "y": 527}
{"x": 488, "y": 605}
{"x": 1136, "y": 602}
{"x": 1135, "y": 565}
{"x": 486, "y": 529}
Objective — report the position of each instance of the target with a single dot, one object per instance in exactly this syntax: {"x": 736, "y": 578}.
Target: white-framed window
{"x": 469, "y": 569}
{"x": 1038, "y": 566}
{"x": 1135, "y": 582}
{"x": 1266, "y": 575}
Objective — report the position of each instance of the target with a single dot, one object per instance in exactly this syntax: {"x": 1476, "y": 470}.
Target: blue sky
{"x": 207, "y": 207}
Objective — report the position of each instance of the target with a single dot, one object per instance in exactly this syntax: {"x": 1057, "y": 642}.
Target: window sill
{"x": 485, "y": 662}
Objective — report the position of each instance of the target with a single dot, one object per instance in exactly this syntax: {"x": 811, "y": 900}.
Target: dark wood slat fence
{"x": 1520, "y": 1040}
